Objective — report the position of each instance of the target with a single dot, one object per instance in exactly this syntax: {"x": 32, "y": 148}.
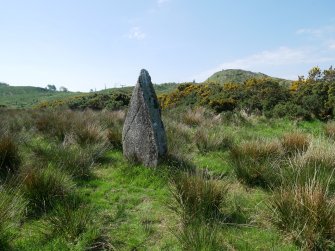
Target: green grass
{"x": 239, "y": 76}
{"x": 28, "y": 96}
{"x": 118, "y": 205}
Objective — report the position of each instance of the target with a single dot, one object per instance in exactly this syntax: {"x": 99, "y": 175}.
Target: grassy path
{"x": 132, "y": 201}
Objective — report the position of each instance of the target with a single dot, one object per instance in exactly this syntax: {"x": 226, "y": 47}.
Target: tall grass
{"x": 203, "y": 237}
{"x": 258, "y": 162}
{"x": 198, "y": 197}
{"x": 9, "y": 155}
{"x": 209, "y": 142}
{"x": 305, "y": 213}
{"x": 12, "y": 207}
{"x": 44, "y": 188}
{"x": 295, "y": 142}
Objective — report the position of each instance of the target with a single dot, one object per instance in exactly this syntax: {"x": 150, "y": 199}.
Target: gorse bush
{"x": 258, "y": 163}
{"x": 9, "y": 155}
{"x": 306, "y": 214}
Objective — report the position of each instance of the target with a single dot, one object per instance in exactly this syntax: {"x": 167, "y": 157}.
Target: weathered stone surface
{"x": 143, "y": 135}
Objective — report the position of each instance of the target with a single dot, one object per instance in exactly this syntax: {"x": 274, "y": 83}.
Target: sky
{"x": 93, "y": 44}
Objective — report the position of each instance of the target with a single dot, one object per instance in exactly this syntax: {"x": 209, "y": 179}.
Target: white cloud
{"x": 136, "y": 33}
{"x": 318, "y": 32}
{"x": 272, "y": 59}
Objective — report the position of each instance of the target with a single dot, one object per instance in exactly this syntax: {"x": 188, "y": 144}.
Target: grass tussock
{"x": 329, "y": 129}
{"x": 12, "y": 207}
{"x": 194, "y": 117}
{"x": 198, "y": 197}
{"x": 45, "y": 188}
{"x": 200, "y": 237}
{"x": 9, "y": 155}
{"x": 257, "y": 163}
{"x": 207, "y": 142}
{"x": 295, "y": 142}
{"x": 305, "y": 213}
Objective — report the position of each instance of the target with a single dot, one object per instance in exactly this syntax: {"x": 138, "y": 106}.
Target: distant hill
{"x": 28, "y": 96}
{"x": 239, "y": 76}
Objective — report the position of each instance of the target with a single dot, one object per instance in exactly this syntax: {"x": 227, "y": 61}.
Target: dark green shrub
{"x": 289, "y": 110}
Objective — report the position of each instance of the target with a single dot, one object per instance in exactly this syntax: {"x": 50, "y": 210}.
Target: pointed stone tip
{"x": 144, "y": 72}
{"x": 144, "y": 77}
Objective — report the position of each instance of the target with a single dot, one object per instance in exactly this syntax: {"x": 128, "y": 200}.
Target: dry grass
{"x": 295, "y": 142}
{"x": 258, "y": 162}
{"x": 194, "y": 117}
{"x": 306, "y": 214}
{"x": 330, "y": 130}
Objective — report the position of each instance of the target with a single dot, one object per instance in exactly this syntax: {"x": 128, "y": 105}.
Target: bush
{"x": 197, "y": 198}
{"x": 257, "y": 163}
{"x": 305, "y": 214}
{"x": 295, "y": 142}
{"x": 9, "y": 155}
{"x": 44, "y": 188}
{"x": 289, "y": 110}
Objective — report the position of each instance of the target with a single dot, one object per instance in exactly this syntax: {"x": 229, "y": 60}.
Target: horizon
{"x": 85, "y": 45}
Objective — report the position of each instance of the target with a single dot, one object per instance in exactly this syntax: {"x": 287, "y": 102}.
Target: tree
{"x": 51, "y": 88}
{"x": 63, "y": 89}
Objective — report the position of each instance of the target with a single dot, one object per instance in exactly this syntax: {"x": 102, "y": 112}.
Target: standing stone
{"x": 143, "y": 135}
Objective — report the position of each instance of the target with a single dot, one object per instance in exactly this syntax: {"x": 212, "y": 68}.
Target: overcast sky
{"x": 87, "y": 44}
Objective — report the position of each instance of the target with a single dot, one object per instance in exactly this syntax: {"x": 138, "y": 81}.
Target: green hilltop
{"x": 240, "y": 76}
{"x": 28, "y": 96}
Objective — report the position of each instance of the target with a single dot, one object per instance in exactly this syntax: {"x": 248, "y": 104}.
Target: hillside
{"x": 239, "y": 76}
{"x": 27, "y": 96}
